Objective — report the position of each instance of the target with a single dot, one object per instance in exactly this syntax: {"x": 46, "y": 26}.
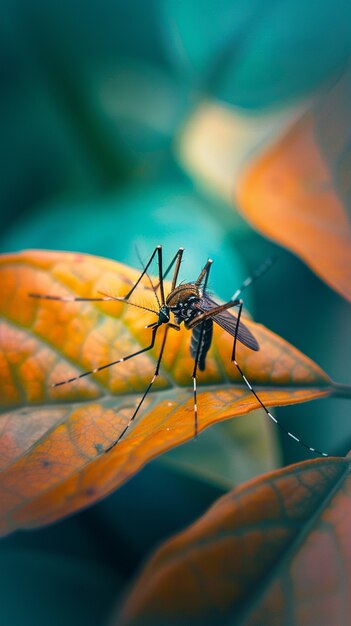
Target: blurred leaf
{"x": 255, "y": 54}
{"x": 230, "y": 452}
{"x": 217, "y": 141}
{"x": 146, "y": 214}
{"x": 165, "y": 500}
{"x": 41, "y": 588}
{"x": 57, "y": 135}
{"x": 144, "y": 105}
{"x": 53, "y": 439}
{"x": 290, "y": 173}
{"x": 298, "y": 192}
{"x": 276, "y": 550}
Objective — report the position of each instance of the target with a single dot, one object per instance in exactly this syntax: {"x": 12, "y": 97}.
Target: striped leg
{"x": 256, "y": 274}
{"x": 250, "y": 387}
{"x": 158, "y": 251}
{"x": 177, "y": 259}
{"x": 156, "y": 373}
{"x": 200, "y": 342}
{"x": 103, "y": 367}
{"x": 107, "y": 297}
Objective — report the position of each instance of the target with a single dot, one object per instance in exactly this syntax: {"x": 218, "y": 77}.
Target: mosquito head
{"x": 163, "y": 315}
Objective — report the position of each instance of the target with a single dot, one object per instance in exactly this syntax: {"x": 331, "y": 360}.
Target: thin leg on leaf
{"x": 204, "y": 275}
{"x": 105, "y": 298}
{"x": 250, "y": 387}
{"x": 194, "y": 377}
{"x": 70, "y": 298}
{"x": 103, "y": 367}
{"x": 156, "y": 373}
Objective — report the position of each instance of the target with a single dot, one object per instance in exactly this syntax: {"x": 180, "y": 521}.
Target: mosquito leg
{"x": 160, "y": 274}
{"x": 234, "y": 299}
{"x": 194, "y": 377}
{"x": 102, "y": 367}
{"x": 154, "y": 290}
{"x": 156, "y": 373}
{"x": 204, "y": 274}
{"x": 109, "y": 298}
{"x": 256, "y": 274}
{"x": 70, "y": 298}
{"x": 250, "y": 387}
{"x": 176, "y": 259}
{"x": 105, "y": 298}
{"x": 158, "y": 251}
{"x": 240, "y": 305}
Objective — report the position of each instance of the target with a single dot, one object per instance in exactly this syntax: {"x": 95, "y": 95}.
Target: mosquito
{"x": 190, "y": 304}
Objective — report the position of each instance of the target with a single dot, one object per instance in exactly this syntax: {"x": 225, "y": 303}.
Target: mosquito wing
{"x": 228, "y": 322}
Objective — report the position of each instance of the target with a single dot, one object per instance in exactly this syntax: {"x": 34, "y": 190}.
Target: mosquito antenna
{"x": 118, "y": 299}
{"x": 148, "y": 276}
{"x": 250, "y": 387}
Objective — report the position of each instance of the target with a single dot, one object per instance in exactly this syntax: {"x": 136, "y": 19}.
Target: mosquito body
{"x": 190, "y": 304}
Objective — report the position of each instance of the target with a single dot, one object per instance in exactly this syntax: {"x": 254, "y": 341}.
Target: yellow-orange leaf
{"x": 276, "y": 550}
{"x": 52, "y": 440}
{"x": 297, "y": 191}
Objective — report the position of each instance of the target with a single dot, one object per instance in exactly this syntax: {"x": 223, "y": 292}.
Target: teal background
{"x": 94, "y": 95}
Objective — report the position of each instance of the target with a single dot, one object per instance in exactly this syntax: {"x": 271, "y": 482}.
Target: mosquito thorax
{"x": 182, "y": 301}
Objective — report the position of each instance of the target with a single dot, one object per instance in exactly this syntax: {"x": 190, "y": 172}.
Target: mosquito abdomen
{"x": 203, "y": 332}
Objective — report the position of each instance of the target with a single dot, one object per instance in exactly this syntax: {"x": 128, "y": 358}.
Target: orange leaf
{"x": 52, "y": 440}
{"x": 297, "y": 192}
{"x": 276, "y": 550}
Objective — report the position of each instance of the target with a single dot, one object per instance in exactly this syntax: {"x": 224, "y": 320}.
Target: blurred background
{"x": 99, "y": 154}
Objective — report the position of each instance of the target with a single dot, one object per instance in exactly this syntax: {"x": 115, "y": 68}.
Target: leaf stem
{"x": 341, "y": 391}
